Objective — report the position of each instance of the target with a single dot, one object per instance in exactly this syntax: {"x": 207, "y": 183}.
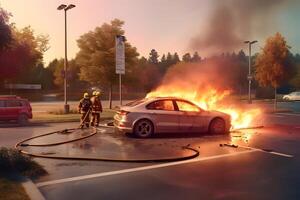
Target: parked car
{"x": 294, "y": 96}
{"x": 156, "y": 115}
{"x": 14, "y": 108}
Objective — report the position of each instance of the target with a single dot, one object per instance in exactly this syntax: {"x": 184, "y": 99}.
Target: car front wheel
{"x": 143, "y": 128}
{"x": 217, "y": 126}
{"x": 23, "y": 120}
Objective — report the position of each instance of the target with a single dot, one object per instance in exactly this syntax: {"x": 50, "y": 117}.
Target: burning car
{"x": 147, "y": 116}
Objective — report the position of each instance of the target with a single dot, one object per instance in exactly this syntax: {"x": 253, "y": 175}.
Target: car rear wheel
{"x": 217, "y": 126}
{"x": 23, "y": 120}
{"x": 143, "y": 128}
{"x": 286, "y": 98}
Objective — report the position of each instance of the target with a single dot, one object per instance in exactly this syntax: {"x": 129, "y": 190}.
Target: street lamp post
{"x": 250, "y": 77}
{"x": 65, "y": 8}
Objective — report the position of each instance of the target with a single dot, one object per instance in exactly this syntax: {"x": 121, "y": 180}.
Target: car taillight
{"x": 123, "y": 113}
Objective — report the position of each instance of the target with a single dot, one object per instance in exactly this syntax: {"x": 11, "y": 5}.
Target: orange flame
{"x": 209, "y": 98}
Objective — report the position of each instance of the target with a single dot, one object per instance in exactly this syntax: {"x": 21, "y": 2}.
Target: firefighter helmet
{"x": 86, "y": 95}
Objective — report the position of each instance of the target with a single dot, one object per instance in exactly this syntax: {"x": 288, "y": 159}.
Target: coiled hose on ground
{"x": 23, "y": 143}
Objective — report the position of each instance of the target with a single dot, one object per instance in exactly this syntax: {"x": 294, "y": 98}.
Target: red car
{"x": 15, "y": 108}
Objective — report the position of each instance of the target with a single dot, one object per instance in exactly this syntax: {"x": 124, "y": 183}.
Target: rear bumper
{"x": 122, "y": 125}
{"x": 122, "y": 128}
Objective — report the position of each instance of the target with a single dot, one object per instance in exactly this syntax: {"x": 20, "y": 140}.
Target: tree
{"x": 5, "y": 30}
{"x": 196, "y": 57}
{"x": 28, "y": 48}
{"x": 153, "y": 57}
{"x": 187, "y": 57}
{"x": 163, "y": 58}
{"x": 273, "y": 65}
{"x": 149, "y": 75}
{"x": 176, "y": 58}
{"x": 295, "y": 81}
{"x": 96, "y": 56}
{"x": 169, "y": 59}
{"x": 72, "y": 73}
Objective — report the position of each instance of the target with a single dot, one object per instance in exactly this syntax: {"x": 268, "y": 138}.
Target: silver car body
{"x": 167, "y": 120}
{"x": 294, "y": 96}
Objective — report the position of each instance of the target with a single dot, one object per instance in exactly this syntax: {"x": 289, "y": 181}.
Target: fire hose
{"x": 22, "y": 143}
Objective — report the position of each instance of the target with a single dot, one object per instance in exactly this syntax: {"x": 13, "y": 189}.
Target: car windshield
{"x": 135, "y": 103}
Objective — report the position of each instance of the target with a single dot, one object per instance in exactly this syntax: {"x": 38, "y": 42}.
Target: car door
{"x": 297, "y": 97}
{"x": 191, "y": 118}
{"x": 164, "y": 115}
{"x": 2, "y": 110}
{"x": 13, "y": 108}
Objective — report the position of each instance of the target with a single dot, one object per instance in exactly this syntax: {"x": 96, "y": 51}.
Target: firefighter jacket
{"x": 96, "y": 104}
{"x": 84, "y": 105}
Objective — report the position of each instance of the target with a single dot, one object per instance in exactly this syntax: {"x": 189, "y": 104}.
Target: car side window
{"x": 13, "y": 103}
{"x": 161, "y": 105}
{"x": 186, "y": 106}
{"x": 2, "y": 104}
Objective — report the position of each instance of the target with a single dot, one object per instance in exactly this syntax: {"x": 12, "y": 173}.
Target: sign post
{"x": 120, "y": 61}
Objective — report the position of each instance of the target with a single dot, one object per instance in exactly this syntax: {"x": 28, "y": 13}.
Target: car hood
{"x": 218, "y": 113}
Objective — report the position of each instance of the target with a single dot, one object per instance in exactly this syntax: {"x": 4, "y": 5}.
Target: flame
{"x": 210, "y": 98}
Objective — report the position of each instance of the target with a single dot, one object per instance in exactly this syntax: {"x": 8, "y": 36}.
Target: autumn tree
{"x": 21, "y": 51}
{"x": 5, "y": 30}
{"x": 96, "y": 56}
{"x": 272, "y": 65}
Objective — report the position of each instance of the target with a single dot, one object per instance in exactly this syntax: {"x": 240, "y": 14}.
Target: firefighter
{"x": 84, "y": 108}
{"x": 92, "y": 100}
{"x": 96, "y": 109}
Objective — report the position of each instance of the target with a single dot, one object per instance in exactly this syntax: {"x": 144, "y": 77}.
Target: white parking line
{"x": 288, "y": 114}
{"x": 111, "y": 173}
{"x": 279, "y": 116}
{"x": 271, "y": 152}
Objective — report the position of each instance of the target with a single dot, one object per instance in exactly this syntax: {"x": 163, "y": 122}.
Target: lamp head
{"x": 61, "y": 7}
{"x": 70, "y": 6}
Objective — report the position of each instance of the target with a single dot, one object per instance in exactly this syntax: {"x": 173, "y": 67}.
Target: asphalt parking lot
{"x": 265, "y": 165}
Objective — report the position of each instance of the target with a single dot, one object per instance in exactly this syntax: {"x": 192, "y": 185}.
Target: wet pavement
{"x": 264, "y": 165}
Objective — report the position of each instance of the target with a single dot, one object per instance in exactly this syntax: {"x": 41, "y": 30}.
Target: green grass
{"x": 12, "y": 190}
{"x": 61, "y": 112}
{"x": 58, "y": 116}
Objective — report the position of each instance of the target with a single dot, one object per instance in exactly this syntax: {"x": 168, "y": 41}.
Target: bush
{"x": 12, "y": 160}
{"x": 4, "y": 159}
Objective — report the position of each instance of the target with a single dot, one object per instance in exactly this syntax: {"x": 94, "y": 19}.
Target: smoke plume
{"x": 234, "y": 21}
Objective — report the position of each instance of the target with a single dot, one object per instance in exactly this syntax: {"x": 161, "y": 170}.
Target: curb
{"x": 63, "y": 121}
{"x": 32, "y": 191}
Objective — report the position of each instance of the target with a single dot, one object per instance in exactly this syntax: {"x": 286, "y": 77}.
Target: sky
{"x": 167, "y": 26}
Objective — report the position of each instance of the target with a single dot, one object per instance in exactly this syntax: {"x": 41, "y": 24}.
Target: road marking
{"x": 289, "y": 114}
{"x": 111, "y": 173}
{"x": 280, "y": 116}
{"x": 271, "y": 152}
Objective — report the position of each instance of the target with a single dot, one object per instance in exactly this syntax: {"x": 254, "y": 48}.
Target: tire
{"x": 217, "y": 126}
{"x": 23, "y": 120}
{"x": 143, "y": 128}
{"x": 286, "y": 99}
